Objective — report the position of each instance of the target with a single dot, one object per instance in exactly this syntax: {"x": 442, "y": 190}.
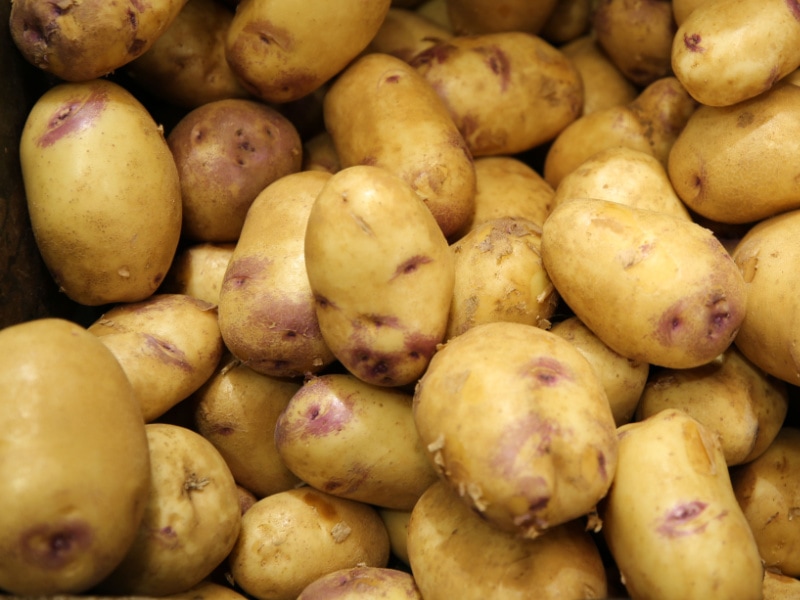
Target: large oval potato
{"x": 103, "y": 192}
{"x": 381, "y": 273}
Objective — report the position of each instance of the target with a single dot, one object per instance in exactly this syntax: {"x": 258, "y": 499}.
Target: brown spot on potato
{"x": 242, "y": 270}
{"x": 73, "y": 117}
{"x": 692, "y": 42}
{"x": 745, "y": 118}
{"x": 55, "y": 545}
{"x": 323, "y": 507}
{"x": 345, "y": 486}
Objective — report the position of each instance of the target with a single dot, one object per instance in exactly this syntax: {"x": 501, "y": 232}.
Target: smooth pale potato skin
{"x": 730, "y": 396}
{"x": 103, "y": 192}
{"x": 721, "y": 59}
{"x": 168, "y": 345}
{"x": 381, "y": 273}
{"x": 455, "y": 554}
{"x": 623, "y": 379}
{"x": 227, "y": 152}
{"x": 378, "y": 110}
{"x": 396, "y": 522}
{"x": 765, "y": 256}
{"x": 404, "y": 33}
{"x": 198, "y": 271}
{"x": 274, "y": 46}
{"x": 70, "y": 416}
{"x": 236, "y": 410}
{"x": 681, "y": 9}
{"x": 368, "y": 583}
{"x": 722, "y": 158}
{"x": 682, "y": 297}
{"x": 267, "y": 313}
{"x": 499, "y": 276}
{"x": 80, "y": 41}
{"x": 766, "y": 489}
{"x": 543, "y": 455}
{"x": 354, "y": 440}
{"x": 671, "y": 520}
{"x": 483, "y": 16}
{"x": 191, "y": 520}
{"x": 493, "y": 83}
{"x": 304, "y": 534}
{"x": 624, "y": 175}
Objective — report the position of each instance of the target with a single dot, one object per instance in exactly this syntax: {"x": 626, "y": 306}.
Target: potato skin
{"x": 404, "y": 33}
{"x": 366, "y": 583}
{"x": 485, "y": 16}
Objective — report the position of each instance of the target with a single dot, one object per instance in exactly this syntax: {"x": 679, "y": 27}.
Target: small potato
{"x": 624, "y": 272}
{"x": 301, "y": 535}
{"x": 623, "y": 379}
{"x": 730, "y": 396}
{"x": 169, "y": 345}
{"x": 396, "y": 522}
{"x": 543, "y": 450}
{"x": 404, "y": 33}
{"x": 354, "y": 440}
{"x": 671, "y": 519}
{"x": 499, "y": 277}
{"x": 492, "y": 83}
{"x": 207, "y": 590}
{"x": 484, "y": 16}
{"x": 236, "y": 410}
{"x": 767, "y": 490}
{"x": 226, "y": 152}
{"x": 456, "y": 554}
{"x": 377, "y": 112}
{"x": 198, "y": 271}
{"x": 319, "y": 154}
{"x": 780, "y": 587}
{"x": 363, "y": 583}
{"x": 191, "y": 520}
{"x": 569, "y": 20}
{"x": 381, "y": 273}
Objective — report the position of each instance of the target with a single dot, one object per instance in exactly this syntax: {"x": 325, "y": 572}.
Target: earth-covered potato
{"x": 492, "y": 85}
{"x": 484, "y": 16}
{"x": 671, "y": 519}
{"x": 543, "y": 451}
{"x": 198, "y": 270}
{"x": 404, "y": 33}
{"x": 227, "y": 152}
{"x": 103, "y": 192}
{"x": 682, "y": 296}
{"x": 381, "y": 273}
{"x": 354, "y": 440}
{"x": 75, "y": 459}
{"x": 283, "y": 51}
{"x": 378, "y": 111}
{"x": 456, "y": 554}
{"x": 84, "y": 40}
{"x": 363, "y": 583}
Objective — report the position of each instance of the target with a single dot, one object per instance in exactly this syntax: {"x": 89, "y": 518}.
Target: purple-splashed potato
{"x": 653, "y": 287}
{"x": 363, "y": 583}
{"x": 516, "y": 420}
{"x": 671, "y": 520}
{"x": 381, "y": 273}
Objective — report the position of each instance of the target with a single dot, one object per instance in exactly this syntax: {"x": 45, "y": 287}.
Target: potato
{"x": 456, "y": 554}
{"x": 267, "y": 313}
{"x": 493, "y": 83}
{"x": 290, "y": 539}
{"x": 730, "y": 396}
{"x": 671, "y": 520}
{"x": 208, "y": 590}
{"x": 227, "y": 152}
{"x": 650, "y": 123}
{"x": 80, "y": 41}
{"x": 319, "y": 154}
{"x": 720, "y": 57}
{"x": 191, "y": 521}
{"x": 75, "y": 459}
{"x": 281, "y": 52}
{"x": 623, "y": 379}
{"x": 766, "y": 489}
{"x": 358, "y": 583}
{"x": 780, "y": 587}
{"x": 483, "y": 16}
{"x": 569, "y": 20}
{"x": 396, "y": 522}
{"x": 198, "y": 270}
{"x": 499, "y": 277}
{"x": 168, "y": 345}
{"x": 625, "y": 175}
{"x": 769, "y": 333}
{"x": 103, "y": 192}
{"x": 354, "y": 440}
{"x": 381, "y": 273}
{"x": 404, "y": 33}
{"x": 186, "y": 65}
{"x": 543, "y": 451}
{"x": 723, "y": 158}
{"x": 236, "y": 410}
{"x": 681, "y": 9}
{"x": 378, "y": 110}
{"x": 246, "y": 497}
{"x": 624, "y": 272}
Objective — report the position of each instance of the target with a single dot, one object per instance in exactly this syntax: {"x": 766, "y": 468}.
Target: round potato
{"x": 363, "y": 583}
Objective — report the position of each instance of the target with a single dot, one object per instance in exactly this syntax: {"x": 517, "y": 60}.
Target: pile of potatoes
{"x": 408, "y": 299}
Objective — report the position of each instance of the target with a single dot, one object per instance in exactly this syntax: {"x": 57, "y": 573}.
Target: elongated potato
{"x": 381, "y": 273}
{"x": 671, "y": 519}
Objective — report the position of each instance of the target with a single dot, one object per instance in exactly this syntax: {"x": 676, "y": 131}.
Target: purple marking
{"x": 692, "y": 42}
{"x": 53, "y": 546}
{"x": 73, "y": 117}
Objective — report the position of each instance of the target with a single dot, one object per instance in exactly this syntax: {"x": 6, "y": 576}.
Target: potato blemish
{"x": 324, "y": 419}
{"x": 356, "y": 475}
{"x": 686, "y": 518}
{"x": 53, "y": 546}
{"x": 545, "y": 371}
{"x": 498, "y": 62}
{"x": 73, "y": 117}
{"x": 411, "y": 265}
{"x": 167, "y": 353}
{"x": 322, "y": 507}
{"x": 794, "y": 7}
{"x": 692, "y": 42}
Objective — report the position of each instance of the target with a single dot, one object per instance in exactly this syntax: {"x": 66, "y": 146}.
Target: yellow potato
{"x": 103, "y": 192}
{"x": 379, "y": 110}
{"x": 404, "y": 33}
{"x": 780, "y": 587}
{"x": 319, "y": 154}
{"x": 653, "y": 287}
{"x": 483, "y": 16}
{"x": 569, "y": 20}
{"x": 363, "y": 583}
{"x": 396, "y": 522}
{"x": 381, "y": 273}
{"x": 198, "y": 271}
{"x": 208, "y": 590}
{"x": 681, "y": 9}
{"x": 671, "y": 520}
